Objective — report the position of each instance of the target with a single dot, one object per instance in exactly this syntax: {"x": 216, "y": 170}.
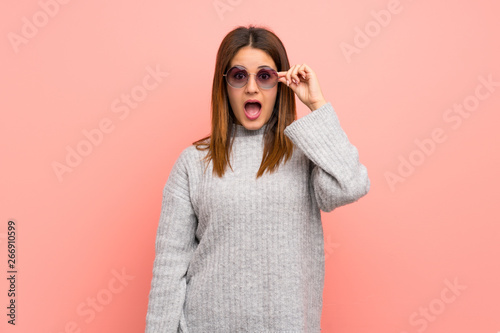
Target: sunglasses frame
{"x": 248, "y": 76}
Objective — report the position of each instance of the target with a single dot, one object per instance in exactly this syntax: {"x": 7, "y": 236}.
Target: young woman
{"x": 240, "y": 249}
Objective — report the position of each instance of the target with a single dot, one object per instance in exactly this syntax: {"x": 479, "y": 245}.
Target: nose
{"x": 251, "y": 85}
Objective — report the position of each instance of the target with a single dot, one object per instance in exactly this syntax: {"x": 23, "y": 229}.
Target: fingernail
{"x": 287, "y": 82}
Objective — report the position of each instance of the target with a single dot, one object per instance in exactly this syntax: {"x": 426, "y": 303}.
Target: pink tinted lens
{"x": 237, "y": 77}
{"x": 267, "y": 78}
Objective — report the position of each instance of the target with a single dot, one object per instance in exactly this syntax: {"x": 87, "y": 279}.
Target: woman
{"x": 241, "y": 249}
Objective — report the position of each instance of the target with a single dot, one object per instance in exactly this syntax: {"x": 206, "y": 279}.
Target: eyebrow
{"x": 261, "y": 66}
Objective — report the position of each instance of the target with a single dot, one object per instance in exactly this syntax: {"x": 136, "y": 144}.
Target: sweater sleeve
{"x": 337, "y": 176}
{"x": 175, "y": 243}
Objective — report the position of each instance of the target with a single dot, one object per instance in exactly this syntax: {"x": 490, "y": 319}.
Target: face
{"x": 251, "y": 59}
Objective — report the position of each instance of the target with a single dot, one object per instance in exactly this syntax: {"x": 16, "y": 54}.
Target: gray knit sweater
{"x": 239, "y": 254}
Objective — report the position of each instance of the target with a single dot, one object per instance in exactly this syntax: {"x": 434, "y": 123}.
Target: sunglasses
{"x": 237, "y": 77}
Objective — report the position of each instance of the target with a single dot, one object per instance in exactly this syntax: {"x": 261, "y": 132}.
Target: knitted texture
{"x": 240, "y": 254}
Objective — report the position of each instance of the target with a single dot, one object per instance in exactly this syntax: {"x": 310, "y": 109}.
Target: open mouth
{"x": 252, "y": 110}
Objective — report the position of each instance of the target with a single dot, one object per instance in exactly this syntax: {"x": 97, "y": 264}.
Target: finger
{"x": 303, "y": 71}
{"x": 282, "y": 76}
{"x": 294, "y": 76}
{"x": 289, "y": 74}
{"x": 283, "y": 80}
{"x": 300, "y": 73}
{"x": 283, "y": 73}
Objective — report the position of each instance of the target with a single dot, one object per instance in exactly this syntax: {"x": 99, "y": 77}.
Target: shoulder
{"x": 190, "y": 153}
{"x": 182, "y": 165}
{"x": 185, "y": 156}
{"x": 189, "y": 158}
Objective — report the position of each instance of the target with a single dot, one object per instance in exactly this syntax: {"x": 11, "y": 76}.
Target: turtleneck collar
{"x": 240, "y": 130}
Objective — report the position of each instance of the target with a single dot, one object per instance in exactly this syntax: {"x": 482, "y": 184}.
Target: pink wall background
{"x": 419, "y": 253}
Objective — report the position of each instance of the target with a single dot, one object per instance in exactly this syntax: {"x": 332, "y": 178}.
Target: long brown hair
{"x": 277, "y": 146}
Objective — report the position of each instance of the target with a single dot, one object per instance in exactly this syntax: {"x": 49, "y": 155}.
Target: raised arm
{"x": 337, "y": 176}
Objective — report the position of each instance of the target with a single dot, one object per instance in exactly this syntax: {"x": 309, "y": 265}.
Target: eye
{"x": 238, "y": 74}
{"x": 265, "y": 75}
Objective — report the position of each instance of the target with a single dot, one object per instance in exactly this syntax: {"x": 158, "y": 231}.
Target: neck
{"x": 240, "y": 130}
